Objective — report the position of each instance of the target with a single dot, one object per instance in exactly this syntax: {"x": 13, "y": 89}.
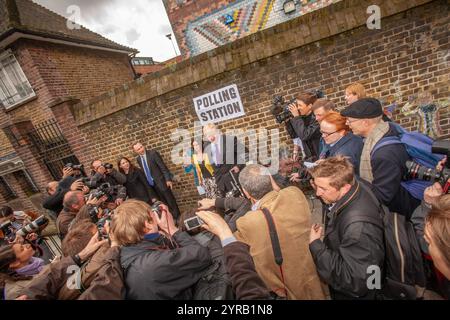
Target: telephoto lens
{"x": 32, "y": 227}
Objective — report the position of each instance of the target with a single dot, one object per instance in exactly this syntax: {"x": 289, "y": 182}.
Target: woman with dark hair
{"x": 305, "y": 124}
{"x": 136, "y": 184}
{"x": 17, "y": 268}
{"x": 203, "y": 171}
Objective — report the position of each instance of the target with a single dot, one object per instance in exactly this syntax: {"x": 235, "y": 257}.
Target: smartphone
{"x": 193, "y": 223}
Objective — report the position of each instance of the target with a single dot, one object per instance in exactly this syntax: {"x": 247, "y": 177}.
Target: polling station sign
{"x": 219, "y": 105}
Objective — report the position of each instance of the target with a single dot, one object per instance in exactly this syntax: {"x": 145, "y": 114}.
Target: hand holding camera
{"x": 160, "y": 212}
{"x": 214, "y": 223}
{"x": 293, "y": 109}
{"x": 67, "y": 172}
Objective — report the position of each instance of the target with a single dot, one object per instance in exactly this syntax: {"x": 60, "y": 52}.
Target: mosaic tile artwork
{"x": 240, "y": 19}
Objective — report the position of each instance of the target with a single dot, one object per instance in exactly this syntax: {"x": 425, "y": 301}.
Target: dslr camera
{"x": 74, "y": 166}
{"x": 8, "y": 230}
{"x": 417, "y": 171}
{"x": 105, "y": 189}
{"x": 108, "y": 166}
{"x": 156, "y": 208}
{"x": 33, "y": 227}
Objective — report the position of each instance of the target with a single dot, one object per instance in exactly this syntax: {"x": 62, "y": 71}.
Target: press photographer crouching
{"x": 156, "y": 266}
{"x": 103, "y": 173}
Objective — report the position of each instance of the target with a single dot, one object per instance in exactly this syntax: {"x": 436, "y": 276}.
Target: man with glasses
{"x": 382, "y": 165}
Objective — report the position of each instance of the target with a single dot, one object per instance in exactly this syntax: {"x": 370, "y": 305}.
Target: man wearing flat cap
{"x": 382, "y": 165}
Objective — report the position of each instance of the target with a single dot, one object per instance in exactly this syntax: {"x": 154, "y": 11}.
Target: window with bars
{"x": 6, "y": 191}
{"x": 14, "y": 85}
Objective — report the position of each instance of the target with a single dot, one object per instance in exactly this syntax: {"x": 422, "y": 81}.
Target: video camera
{"x": 417, "y": 171}
{"x": 280, "y": 109}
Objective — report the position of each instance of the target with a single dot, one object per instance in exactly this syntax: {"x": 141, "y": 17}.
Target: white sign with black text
{"x": 219, "y": 105}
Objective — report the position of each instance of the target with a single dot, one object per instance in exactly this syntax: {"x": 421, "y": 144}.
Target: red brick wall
{"x": 392, "y": 63}
{"x": 56, "y": 71}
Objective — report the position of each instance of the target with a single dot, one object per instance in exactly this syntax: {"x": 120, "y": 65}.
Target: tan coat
{"x": 291, "y": 214}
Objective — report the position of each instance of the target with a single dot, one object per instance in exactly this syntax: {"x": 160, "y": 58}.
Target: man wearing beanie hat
{"x": 385, "y": 167}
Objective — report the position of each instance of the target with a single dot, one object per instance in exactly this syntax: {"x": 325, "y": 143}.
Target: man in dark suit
{"x": 158, "y": 176}
{"x": 227, "y": 154}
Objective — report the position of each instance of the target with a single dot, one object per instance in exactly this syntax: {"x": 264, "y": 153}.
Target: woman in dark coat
{"x": 136, "y": 184}
{"x": 339, "y": 140}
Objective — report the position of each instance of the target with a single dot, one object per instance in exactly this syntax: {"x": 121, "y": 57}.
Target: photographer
{"x": 305, "y": 124}
{"x": 288, "y": 208}
{"x": 156, "y": 267}
{"x": 74, "y": 202}
{"x": 101, "y": 276}
{"x": 105, "y": 173}
{"x": 57, "y": 190}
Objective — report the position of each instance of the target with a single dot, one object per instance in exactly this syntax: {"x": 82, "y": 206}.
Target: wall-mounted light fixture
{"x": 289, "y": 6}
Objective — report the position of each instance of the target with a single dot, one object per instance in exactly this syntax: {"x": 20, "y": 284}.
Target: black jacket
{"x": 388, "y": 169}
{"x": 155, "y": 272}
{"x": 138, "y": 188}
{"x": 349, "y": 146}
{"x": 350, "y": 246}
{"x": 228, "y": 144}
{"x": 55, "y": 201}
{"x": 308, "y": 130}
{"x": 158, "y": 169}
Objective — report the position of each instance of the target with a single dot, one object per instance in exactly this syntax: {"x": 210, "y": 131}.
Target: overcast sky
{"x": 139, "y": 24}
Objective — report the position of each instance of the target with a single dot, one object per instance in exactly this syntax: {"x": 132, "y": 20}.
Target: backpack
{"x": 419, "y": 148}
{"x": 403, "y": 274}
{"x": 215, "y": 283}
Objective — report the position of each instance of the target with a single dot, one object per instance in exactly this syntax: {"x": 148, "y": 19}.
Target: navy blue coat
{"x": 349, "y": 146}
{"x": 388, "y": 168}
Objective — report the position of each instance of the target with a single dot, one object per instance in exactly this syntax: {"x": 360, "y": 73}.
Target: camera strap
{"x": 275, "y": 243}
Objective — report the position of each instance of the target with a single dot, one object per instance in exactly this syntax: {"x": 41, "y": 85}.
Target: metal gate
{"x": 53, "y": 148}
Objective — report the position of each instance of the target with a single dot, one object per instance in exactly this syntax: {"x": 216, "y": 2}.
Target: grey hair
{"x": 255, "y": 179}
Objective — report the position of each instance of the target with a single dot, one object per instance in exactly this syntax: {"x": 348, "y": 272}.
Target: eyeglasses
{"x": 326, "y": 134}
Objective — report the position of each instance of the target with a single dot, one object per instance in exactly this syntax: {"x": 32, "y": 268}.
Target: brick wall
{"x": 56, "y": 71}
{"x": 407, "y": 57}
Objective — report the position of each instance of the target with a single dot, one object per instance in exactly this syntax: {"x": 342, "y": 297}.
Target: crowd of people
{"x": 251, "y": 235}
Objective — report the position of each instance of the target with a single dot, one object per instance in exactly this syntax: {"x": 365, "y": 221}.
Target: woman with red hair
{"x": 339, "y": 140}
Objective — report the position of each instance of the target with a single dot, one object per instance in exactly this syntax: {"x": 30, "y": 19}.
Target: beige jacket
{"x": 291, "y": 214}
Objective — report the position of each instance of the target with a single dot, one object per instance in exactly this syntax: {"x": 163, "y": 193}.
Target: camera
{"x": 236, "y": 190}
{"x": 8, "y": 230}
{"x": 32, "y": 227}
{"x": 74, "y": 166}
{"x": 108, "y": 166}
{"x": 156, "y": 209}
{"x": 280, "y": 109}
{"x": 417, "y": 171}
{"x": 105, "y": 189}
{"x": 193, "y": 223}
